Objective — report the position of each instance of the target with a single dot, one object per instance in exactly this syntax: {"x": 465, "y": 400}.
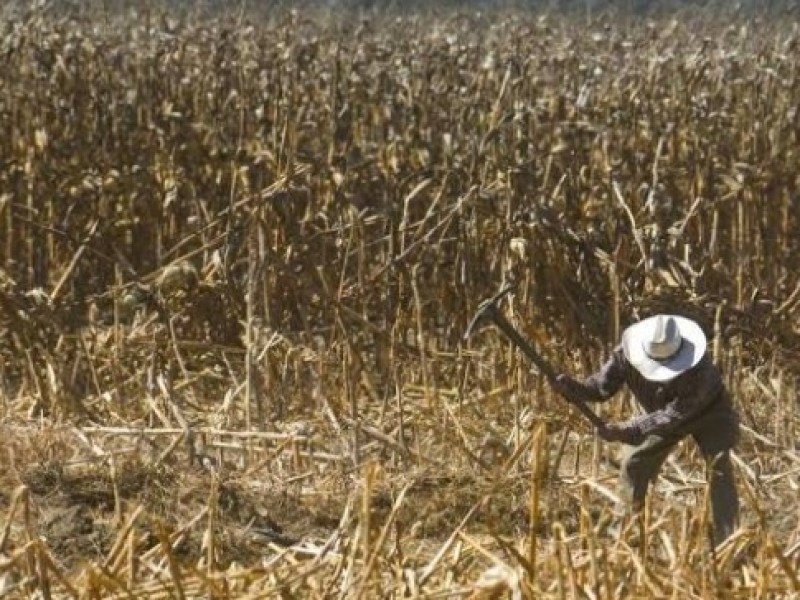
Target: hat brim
{"x": 693, "y": 347}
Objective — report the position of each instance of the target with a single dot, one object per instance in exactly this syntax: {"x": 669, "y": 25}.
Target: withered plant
{"x": 238, "y": 252}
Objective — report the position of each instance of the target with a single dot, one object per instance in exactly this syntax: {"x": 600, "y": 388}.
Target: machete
{"x": 489, "y": 310}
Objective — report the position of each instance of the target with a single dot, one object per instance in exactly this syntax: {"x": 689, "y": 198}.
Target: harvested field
{"x": 238, "y": 252}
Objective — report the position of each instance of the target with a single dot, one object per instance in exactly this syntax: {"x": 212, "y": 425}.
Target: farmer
{"x": 663, "y": 361}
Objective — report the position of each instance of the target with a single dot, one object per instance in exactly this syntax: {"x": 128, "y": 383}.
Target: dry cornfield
{"x": 239, "y": 251}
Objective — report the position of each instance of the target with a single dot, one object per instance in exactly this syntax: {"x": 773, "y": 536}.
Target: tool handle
{"x": 545, "y": 367}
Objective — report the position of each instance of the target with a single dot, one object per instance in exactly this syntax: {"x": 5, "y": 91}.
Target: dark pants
{"x": 641, "y": 464}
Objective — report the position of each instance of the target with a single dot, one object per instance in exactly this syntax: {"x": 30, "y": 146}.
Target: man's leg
{"x": 724, "y": 496}
{"x": 715, "y": 443}
{"x": 640, "y": 465}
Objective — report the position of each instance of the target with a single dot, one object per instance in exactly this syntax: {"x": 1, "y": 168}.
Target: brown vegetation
{"x": 238, "y": 254}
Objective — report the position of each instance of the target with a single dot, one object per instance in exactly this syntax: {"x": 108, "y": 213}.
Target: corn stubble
{"x": 238, "y": 254}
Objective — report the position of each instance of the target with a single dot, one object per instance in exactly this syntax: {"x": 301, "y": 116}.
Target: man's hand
{"x": 613, "y": 432}
{"x": 571, "y": 390}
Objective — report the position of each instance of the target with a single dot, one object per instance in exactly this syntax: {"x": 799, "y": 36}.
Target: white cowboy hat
{"x": 664, "y": 346}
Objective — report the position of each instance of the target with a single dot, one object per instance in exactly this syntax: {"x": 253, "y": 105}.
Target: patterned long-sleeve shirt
{"x": 669, "y": 406}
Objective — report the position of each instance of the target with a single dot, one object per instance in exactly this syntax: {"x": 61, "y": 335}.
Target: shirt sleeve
{"x": 606, "y": 382}
{"x": 693, "y": 395}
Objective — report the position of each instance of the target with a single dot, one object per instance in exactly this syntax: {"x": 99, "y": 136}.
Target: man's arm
{"x": 600, "y": 386}
{"x": 692, "y": 396}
